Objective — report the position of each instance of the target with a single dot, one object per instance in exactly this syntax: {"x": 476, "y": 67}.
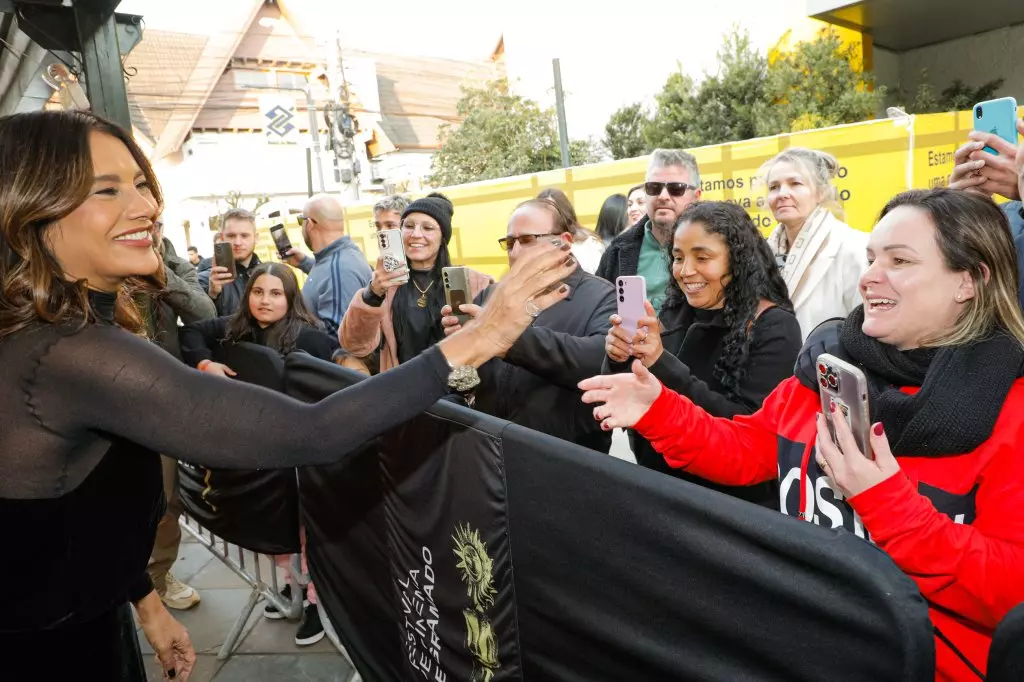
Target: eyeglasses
{"x": 509, "y": 243}
{"x": 301, "y": 219}
{"x": 675, "y": 189}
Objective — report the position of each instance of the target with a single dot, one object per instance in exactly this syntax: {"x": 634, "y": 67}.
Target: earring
{"x": 959, "y": 298}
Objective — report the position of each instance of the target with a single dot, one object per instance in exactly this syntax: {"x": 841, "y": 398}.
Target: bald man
{"x": 338, "y": 269}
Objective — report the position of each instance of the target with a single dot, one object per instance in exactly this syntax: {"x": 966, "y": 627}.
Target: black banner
{"x": 613, "y": 572}
{"x": 254, "y": 509}
{"x": 420, "y": 515}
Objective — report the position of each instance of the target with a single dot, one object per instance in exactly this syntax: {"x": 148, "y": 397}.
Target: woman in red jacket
{"x": 941, "y": 338}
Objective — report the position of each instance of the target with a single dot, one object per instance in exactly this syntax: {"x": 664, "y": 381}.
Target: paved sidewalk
{"x": 267, "y": 649}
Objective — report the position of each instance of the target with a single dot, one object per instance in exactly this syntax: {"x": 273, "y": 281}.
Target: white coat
{"x": 823, "y": 268}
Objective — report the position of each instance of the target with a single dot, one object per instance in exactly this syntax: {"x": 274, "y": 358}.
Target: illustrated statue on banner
{"x": 476, "y": 570}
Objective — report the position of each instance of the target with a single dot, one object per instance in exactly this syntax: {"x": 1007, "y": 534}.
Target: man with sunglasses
{"x": 338, "y": 270}
{"x": 673, "y": 183}
{"x": 534, "y": 384}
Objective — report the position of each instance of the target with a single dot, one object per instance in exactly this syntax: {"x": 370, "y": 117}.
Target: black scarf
{"x": 962, "y": 388}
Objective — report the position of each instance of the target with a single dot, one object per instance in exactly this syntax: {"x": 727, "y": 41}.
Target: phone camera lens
{"x": 621, "y": 290}
{"x": 622, "y": 299}
{"x": 978, "y": 112}
{"x": 824, "y": 382}
{"x": 832, "y": 381}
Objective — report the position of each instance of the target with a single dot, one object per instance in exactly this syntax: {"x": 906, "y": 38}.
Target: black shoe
{"x": 270, "y": 611}
{"x": 310, "y": 629}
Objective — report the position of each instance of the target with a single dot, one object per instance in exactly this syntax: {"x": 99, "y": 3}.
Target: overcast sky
{"x": 610, "y": 55}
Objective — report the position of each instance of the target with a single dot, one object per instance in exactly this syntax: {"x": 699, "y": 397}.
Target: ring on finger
{"x": 532, "y": 309}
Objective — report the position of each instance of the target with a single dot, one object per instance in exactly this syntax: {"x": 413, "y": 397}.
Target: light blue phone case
{"x": 999, "y": 117}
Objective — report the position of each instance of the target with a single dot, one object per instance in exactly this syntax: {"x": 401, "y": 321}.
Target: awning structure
{"x": 900, "y": 25}
{"x": 87, "y": 37}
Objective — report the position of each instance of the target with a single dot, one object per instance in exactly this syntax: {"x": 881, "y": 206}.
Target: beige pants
{"x": 168, "y": 532}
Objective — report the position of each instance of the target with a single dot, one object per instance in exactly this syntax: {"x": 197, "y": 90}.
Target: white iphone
{"x": 631, "y": 294}
{"x": 392, "y": 251}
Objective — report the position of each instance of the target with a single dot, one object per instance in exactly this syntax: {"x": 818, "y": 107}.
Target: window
{"x": 246, "y": 79}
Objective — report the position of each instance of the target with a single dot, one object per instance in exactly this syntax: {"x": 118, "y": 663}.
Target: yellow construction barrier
{"x": 878, "y": 159}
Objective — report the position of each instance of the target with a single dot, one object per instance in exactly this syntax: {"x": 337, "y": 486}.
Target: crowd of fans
{"x": 717, "y": 385}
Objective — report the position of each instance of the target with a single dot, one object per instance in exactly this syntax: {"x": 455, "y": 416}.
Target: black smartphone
{"x": 225, "y": 257}
{"x": 281, "y": 241}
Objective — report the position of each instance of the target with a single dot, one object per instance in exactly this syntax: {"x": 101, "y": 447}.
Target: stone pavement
{"x": 267, "y": 649}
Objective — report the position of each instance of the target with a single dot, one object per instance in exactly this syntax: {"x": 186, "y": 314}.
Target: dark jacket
{"x": 622, "y": 256}
{"x": 183, "y": 299}
{"x": 535, "y": 386}
{"x": 335, "y": 274}
{"x": 693, "y": 344}
{"x": 199, "y": 341}
{"x": 231, "y": 295}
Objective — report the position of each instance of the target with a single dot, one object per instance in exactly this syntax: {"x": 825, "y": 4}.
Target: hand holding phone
{"x": 997, "y": 117}
{"x": 844, "y": 395}
{"x": 281, "y": 240}
{"x": 392, "y": 251}
{"x": 456, "y": 290}
{"x": 631, "y": 293}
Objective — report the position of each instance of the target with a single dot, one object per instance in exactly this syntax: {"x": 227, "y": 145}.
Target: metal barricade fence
{"x": 252, "y": 573}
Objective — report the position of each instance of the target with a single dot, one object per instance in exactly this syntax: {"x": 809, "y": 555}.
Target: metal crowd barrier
{"x": 261, "y": 590}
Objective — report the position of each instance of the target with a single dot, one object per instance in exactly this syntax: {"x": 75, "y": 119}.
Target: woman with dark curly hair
{"x": 727, "y": 325}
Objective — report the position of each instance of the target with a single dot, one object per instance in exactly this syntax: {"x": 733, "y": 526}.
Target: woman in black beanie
{"x": 403, "y": 319}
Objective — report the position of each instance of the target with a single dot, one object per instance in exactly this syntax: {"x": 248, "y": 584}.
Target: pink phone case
{"x": 631, "y": 292}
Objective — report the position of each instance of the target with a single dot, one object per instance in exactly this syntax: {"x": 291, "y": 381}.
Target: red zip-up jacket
{"x": 954, "y": 524}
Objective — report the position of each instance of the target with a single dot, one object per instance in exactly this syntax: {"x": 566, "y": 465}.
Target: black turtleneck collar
{"x": 103, "y": 304}
{"x": 708, "y": 316}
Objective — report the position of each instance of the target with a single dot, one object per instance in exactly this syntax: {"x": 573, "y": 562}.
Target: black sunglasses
{"x": 509, "y": 243}
{"x": 675, "y": 189}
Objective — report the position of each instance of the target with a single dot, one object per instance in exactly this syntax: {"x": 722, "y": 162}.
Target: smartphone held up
{"x": 224, "y": 256}
{"x": 844, "y": 394}
{"x": 631, "y": 294}
{"x": 997, "y": 117}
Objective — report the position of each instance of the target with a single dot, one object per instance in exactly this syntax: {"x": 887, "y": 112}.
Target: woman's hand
{"x": 983, "y": 172}
{"x": 647, "y": 344}
{"x": 851, "y": 470}
{"x": 384, "y": 280}
{"x": 619, "y": 344}
{"x": 624, "y": 398}
{"x": 168, "y": 637}
{"x": 533, "y": 285}
{"x": 218, "y": 369}
{"x": 451, "y": 324}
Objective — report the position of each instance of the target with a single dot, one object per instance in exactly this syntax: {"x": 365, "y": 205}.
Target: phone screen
{"x": 281, "y": 240}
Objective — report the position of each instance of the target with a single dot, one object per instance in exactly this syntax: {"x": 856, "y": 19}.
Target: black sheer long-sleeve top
{"x": 83, "y": 413}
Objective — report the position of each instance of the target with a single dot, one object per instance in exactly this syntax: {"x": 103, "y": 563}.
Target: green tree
{"x": 721, "y": 108}
{"x": 502, "y": 134}
{"x": 624, "y": 132}
{"x": 818, "y": 84}
{"x": 956, "y": 97}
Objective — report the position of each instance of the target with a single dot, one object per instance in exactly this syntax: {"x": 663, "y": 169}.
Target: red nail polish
{"x": 832, "y": 407}
{"x": 878, "y": 429}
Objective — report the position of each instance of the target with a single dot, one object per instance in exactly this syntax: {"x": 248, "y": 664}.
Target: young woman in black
{"x": 87, "y": 402}
{"x": 273, "y": 315}
{"x": 726, "y": 336}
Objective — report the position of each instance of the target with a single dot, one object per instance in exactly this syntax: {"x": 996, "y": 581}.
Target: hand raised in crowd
{"x": 850, "y": 470}
{"x": 217, "y": 368}
{"x": 294, "y": 257}
{"x": 451, "y": 324}
{"x": 220, "y": 276}
{"x": 645, "y": 345}
{"x": 979, "y": 171}
{"x": 534, "y": 284}
{"x": 622, "y": 399}
{"x": 384, "y": 280}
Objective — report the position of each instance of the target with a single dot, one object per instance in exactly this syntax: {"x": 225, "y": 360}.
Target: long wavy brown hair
{"x": 46, "y": 172}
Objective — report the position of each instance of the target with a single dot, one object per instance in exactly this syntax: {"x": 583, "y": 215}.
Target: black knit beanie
{"x": 437, "y": 206}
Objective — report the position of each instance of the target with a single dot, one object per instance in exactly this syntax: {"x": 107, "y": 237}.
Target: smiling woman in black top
{"x": 273, "y": 315}
{"x": 726, "y": 336}
{"x": 87, "y": 402}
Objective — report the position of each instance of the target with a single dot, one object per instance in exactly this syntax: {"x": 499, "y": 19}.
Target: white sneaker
{"x": 178, "y": 595}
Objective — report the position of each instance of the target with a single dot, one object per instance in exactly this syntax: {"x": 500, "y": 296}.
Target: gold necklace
{"x": 421, "y": 302}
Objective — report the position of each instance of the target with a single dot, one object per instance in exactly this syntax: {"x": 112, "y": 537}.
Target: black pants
{"x": 105, "y": 649}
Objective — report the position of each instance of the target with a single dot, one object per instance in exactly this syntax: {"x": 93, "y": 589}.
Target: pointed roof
{"x": 171, "y": 75}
